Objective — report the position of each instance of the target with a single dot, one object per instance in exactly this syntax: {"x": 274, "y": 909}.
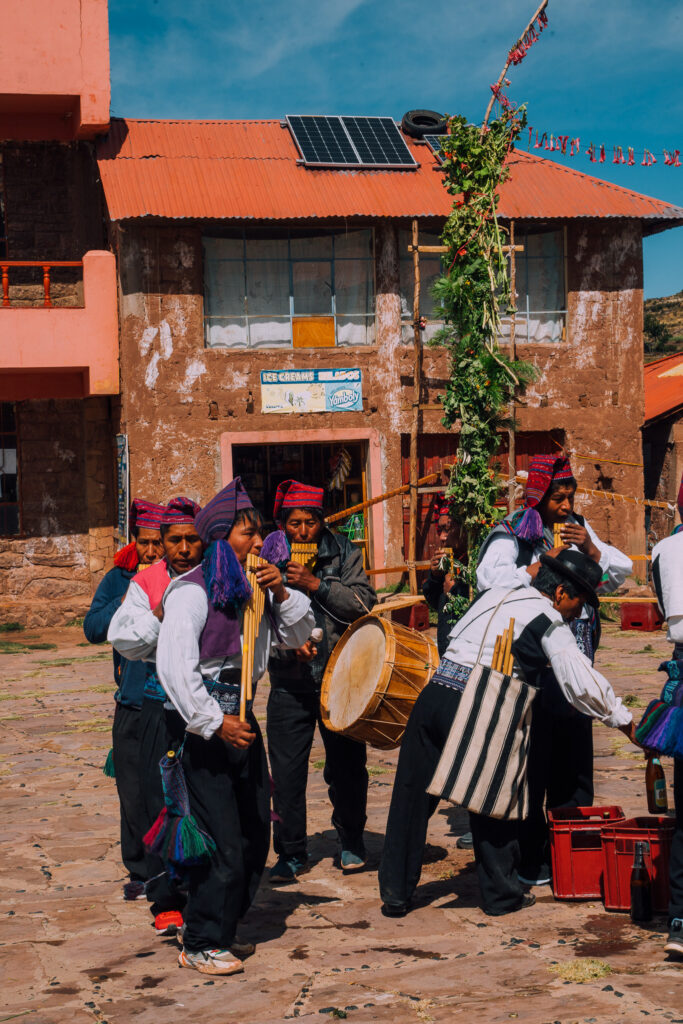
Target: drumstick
{"x": 507, "y": 653}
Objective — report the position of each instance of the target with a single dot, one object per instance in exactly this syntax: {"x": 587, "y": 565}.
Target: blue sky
{"x": 607, "y": 71}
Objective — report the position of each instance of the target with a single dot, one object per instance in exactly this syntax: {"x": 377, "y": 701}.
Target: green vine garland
{"x": 475, "y": 285}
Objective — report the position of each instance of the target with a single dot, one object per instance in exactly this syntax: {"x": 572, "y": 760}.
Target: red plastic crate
{"x": 576, "y": 849}
{"x": 618, "y": 844}
{"x": 416, "y": 616}
{"x": 645, "y": 616}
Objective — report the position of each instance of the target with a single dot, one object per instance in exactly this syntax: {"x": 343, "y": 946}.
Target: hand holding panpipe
{"x": 305, "y": 554}
{"x": 253, "y": 613}
{"x": 503, "y": 658}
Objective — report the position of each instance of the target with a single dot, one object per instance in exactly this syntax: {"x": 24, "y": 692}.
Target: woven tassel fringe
{"x": 179, "y": 840}
{"x": 108, "y": 767}
{"x": 661, "y": 729}
{"x": 530, "y": 525}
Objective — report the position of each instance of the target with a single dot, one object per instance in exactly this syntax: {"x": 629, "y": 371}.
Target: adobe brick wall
{"x": 178, "y": 397}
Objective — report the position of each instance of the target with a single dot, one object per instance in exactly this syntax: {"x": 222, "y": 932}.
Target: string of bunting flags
{"x": 571, "y": 146}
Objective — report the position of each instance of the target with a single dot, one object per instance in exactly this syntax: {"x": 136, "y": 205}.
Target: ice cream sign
{"x": 338, "y": 390}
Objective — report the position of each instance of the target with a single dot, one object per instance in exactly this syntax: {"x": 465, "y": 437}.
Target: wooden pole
{"x": 414, "y": 426}
{"x": 507, "y": 65}
{"x": 512, "y": 452}
{"x": 345, "y": 512}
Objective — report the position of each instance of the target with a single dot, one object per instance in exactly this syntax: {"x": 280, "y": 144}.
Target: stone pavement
{"x": 72, "y": 951}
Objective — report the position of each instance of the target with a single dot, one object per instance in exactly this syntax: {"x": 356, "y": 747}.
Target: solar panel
{"x": 350, "y": 142}
{"x": 434, "y": 141}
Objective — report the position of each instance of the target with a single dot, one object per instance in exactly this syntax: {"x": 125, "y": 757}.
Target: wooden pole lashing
{"x": 415, "y": 423}
{"x": 512, "y": 455}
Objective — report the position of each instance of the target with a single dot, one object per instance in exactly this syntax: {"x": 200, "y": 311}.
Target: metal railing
{"x": 47, "y": 267}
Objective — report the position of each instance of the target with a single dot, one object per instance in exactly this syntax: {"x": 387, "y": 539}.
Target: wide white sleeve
{"x": 134, "y": 630}
{"x": 185, "y": 612}
{"x": 613, "y": 562}
{"x": 498, "y": 567}
{"x": 582, "y": 685}
{"x": 294, "y": 619}
{"x": 667, "y": 568}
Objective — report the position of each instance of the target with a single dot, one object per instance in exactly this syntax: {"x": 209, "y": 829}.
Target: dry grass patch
{"x": 581, "y": 970}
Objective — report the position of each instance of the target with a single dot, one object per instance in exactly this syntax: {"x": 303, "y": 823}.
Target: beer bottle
{"x": 655, "y": 785}
{"x": 641, "y": 886}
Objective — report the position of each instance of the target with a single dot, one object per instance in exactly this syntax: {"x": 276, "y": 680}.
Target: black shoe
{"x": 134, "y": 890}
{"x": 527, "y": 901}
{"x": 674, "y": 944}
{"x": 465, "y": 841}
{"x": 395, "y": 909}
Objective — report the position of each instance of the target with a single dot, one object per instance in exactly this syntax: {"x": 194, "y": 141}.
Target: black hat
{"x": 581, "y": 570}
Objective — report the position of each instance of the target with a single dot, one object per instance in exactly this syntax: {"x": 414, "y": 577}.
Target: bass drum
{"x": 375, "y": 674}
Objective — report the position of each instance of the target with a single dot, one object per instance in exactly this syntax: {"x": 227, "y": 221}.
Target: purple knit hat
{"x": 215, "y": 520}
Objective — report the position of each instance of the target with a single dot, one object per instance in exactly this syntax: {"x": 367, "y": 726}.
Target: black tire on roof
{"x": 418, "y": 123}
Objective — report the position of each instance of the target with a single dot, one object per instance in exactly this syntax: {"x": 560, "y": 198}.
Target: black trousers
{"x": 125, "y": 736}
{"x": 229, "y": 799}
{"x": 496, "y": 848}
{"x": 290, "y": 727}
{"x": 676, "y": 858}
{"x": 155, "y": 740}
{"x": 560, "y": 774}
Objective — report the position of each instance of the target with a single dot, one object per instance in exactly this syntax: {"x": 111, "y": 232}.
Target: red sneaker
{"x": 168, "y": 922}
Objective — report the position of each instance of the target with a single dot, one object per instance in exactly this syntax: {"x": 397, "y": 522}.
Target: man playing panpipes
{"x": 134, "y": 632}
{"x": 561, "y": 754}
{"x": 340, "y": 593}
{"x": 561, "y": 587}
{"x": 130, "y": 679}
{"x": 199, "y": 656}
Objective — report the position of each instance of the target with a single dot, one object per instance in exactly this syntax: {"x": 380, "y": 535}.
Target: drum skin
{"x": 373, "y": 678}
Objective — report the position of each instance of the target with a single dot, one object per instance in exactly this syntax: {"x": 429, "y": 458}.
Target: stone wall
{"x": 179, "y": 398}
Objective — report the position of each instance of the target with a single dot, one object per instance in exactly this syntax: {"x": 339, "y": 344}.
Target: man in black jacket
{"x": 130, "y": 678}
{"x": 340, "y": 593}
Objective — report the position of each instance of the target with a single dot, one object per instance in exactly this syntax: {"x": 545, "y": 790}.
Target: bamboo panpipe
{"x": 557, "y": 539}
{"x": 503, "y": 659}
{"x": 253, "y": 613}
{"x": 305, "y": 554}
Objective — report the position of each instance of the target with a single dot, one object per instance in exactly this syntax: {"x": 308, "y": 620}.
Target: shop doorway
{"x": 341, "y": 467}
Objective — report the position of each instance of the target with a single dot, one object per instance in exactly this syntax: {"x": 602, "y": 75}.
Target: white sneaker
{"x": 211, "y": 961}
{"x": 542, "y": 880}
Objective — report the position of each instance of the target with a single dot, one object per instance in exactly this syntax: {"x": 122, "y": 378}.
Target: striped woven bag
{"x": 484, "y": 760}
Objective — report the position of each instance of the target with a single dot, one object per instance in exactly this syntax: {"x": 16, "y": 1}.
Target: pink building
{"x": 59, "y": 366}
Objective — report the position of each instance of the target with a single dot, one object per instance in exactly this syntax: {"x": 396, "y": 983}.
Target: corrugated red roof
{"x": 249, "y": 170}
{"x": 663, "y": 386}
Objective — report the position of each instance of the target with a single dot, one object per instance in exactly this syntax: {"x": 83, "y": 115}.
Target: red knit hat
{"x": 180, "y": 510}
{"x": 545, "y": 470}
{"x": 292, "y": 494}
{"x": 441, "y": 505}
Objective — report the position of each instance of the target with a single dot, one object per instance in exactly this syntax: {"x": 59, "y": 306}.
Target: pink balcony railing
{"x": 47, "y": 268}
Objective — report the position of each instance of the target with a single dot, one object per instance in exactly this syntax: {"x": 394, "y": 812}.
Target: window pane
{"x": 224, "y": 333}
{"x": 223, "y": 248}
{"x": 224, "y": 287}
{"x": 268, "y": 288}
{"x": 7, "y": 416}
{"x": 545, "y": 271}
{"x": 355, "y": 330}
{"x": 353, "y": 244}
{"x": 312, "y": 289}
{"x": 353, "y": 285}
{"x": 311, "y": 248}
{"x": 270, "y": 333}
{"x": 267, "y": 249}
{"x": 9, "y": 520}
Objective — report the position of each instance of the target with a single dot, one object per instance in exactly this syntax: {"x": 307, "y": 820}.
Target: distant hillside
{"x": 663, "y": 326}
